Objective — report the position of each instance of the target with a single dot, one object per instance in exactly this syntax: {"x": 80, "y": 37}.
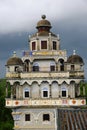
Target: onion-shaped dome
{"x": 75, "y": 59}
{"x": 43, "y": 27}
{"x": 14, "y": 61}
{"x": 43, "y": 23}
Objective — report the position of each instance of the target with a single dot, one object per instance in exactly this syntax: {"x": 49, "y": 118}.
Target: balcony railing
{"x": 61, "y": 74}
{"x": 38, "y": 75}
{"x": 76, "y": 74}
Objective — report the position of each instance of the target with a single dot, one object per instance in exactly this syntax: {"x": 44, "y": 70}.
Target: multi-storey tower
{"x": 43, "y": 80}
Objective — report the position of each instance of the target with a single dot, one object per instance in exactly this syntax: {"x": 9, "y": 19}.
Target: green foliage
{"x": 6, "y": 121}
{"x": 81, "y": 90}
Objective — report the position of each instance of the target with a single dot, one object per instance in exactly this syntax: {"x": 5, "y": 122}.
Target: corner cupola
{"x": 14, "y": 60}
{"x": 75, "y": 59}
{"x": 14, "y": 64}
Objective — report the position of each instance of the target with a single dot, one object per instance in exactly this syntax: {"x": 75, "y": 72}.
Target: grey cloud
{"x": 19, "y": 15}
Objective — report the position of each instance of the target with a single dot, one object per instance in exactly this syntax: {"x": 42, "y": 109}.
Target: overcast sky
{"x": 18, "y": 19}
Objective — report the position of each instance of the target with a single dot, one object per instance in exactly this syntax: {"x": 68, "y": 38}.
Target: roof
{"x": 43, "y": 33}
{"x": 75, "y": 59}
{"x": 14, "y": 61}
{"x": 72, "y": 119}
{"x": 43, "y": 22}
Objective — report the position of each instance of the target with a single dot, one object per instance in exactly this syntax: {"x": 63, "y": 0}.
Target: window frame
{"x": 33, "y": 42}
{"x": 64, "y": 89}
{"x": 64, "y": 94}
{"x": 54, "y": 45}
{"x": 52, "y": 67}
{"x": 45, "y": 91}
{"x": 46, "y": 117}
{"x": 35, "y": 67}
{"x": 72, "y": 67}
{"x": 28, "y": 91}
{"x": 45, "y": 46}
{"x": 27, "y": 117}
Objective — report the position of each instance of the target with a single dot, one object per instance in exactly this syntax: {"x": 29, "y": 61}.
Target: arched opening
{"x": 54, "y": 89}
{"x": 73, "y": 90}
{"x": 26, "y": 93}
{"x": 45, "y": 91}
{"x": 35, "y": 67}
{"x": 52, "y": 66}
{"x": 61, "y": 63}
{"x": 72, "y": 67}
{"x": 35, "y": 90}
{"x": 64, "y": 90}
{"x": 26, "y": 65}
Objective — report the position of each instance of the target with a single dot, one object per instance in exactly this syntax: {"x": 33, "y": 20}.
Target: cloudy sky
{"x": 18, "y": 19}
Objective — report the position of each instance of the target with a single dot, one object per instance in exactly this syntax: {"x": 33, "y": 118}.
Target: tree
{"x": 6, "y": 121}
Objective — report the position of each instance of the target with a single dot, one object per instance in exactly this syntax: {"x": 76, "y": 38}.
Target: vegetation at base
{"x": 6, "y": 121}
{"x": 82, "y": 90}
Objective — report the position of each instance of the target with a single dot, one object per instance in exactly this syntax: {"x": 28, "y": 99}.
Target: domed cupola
{"x": 14, "y": 60}
{"x": 14, "y": 64}
{"x": 75, "y": 59}
{"x": 43, "y": 25}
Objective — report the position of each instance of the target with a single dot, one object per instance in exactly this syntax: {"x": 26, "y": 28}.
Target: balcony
{"x": 45, "y": 102}
{"x": 37, "y": 75}
{"x": 76, "y": 74}
{"x": 44, "y": 53}
{"x": 60, "y": 74}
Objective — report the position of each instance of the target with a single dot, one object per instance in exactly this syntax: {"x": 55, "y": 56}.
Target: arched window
{"x": 26, "y": 92}
{"x": 26, "y": 65}
{"x": 64, "y": 90}
{"x": 61, "y": 62}
{"x": 52, "y": 66}
{"x": 72, "y": 67}
{"x": 45, "y": 92}
{"x": 35, "y": 67}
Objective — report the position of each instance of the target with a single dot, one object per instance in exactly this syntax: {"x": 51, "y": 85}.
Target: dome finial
{"x": 74, "y": 52}
{"x": 43, "y": 16}
{"x": 14, "y": 54}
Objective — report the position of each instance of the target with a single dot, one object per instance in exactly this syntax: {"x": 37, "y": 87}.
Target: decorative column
{"x": 17, "y": 91}
{"x": 39, "y": 90}
{"x": 50, "y": 93}
{"x": 58, "y": 44}
{"x": 73, "y": 91}
{"x": 56, "y": 66}
{"x": 31, "y": 67}
{"x": 11, "y": 92}
{"x": 50, "y": 42}
{"x": 37, "y": 45}
{"x": 30, "y": 91}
